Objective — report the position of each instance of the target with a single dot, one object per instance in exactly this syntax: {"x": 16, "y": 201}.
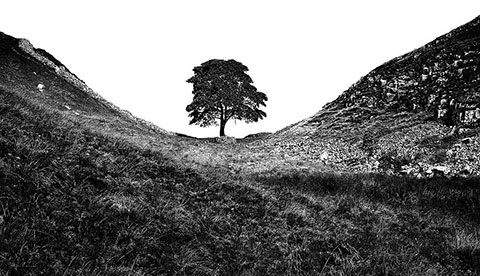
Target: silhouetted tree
{"x": 222, "y": 90}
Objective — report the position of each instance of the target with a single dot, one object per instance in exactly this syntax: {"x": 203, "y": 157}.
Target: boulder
{"x": 440, "y": 170}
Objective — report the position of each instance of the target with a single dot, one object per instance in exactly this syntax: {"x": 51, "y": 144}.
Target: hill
{"x": 88, "y": 189}
{"x": 416, "y": 114}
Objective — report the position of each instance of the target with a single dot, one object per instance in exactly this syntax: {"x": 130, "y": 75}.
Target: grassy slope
{"x": 78, "y": 201}
{"x": 98, "y": 194}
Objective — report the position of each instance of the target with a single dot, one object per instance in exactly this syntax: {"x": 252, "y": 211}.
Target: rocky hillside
{"x": 442, "y": 77}
{"x": 417, "y": 114}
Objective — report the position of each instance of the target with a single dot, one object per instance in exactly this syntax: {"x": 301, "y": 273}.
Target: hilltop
{"x": 88, "y": 189}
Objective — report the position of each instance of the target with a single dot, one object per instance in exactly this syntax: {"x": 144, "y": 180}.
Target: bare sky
{"x": 302, "y": 54}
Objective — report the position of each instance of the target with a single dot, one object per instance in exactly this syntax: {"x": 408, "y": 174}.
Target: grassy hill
{"x": 88, "y": 189}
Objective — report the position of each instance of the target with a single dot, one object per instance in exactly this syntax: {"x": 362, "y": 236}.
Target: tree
{"x": 222, "y": 90}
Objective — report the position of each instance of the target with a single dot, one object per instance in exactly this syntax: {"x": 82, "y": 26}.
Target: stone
{"x": 462, "y": 130}
{"x": 440, "y": 170}
{"x": 408, "y": 171}
{"x": 469, "y": 116}
{"x": 467, "y": 140}
{"x": 441, "y": 113}
{"x": 323, "y": 156}
{"x": 390, "y": 96}
{"x": 466, "y": 170}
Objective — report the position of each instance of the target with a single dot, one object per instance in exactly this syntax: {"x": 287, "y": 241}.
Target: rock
{"x": 390, "y": 96}
{"x": 440, "y": 170}
{"x": 408, "y": 171}
{"x": 466, "y": 170}
{"x": 467, "y": 140}
{"x": 441, "y": 113}
{"x": 40, "y": 87}
{"x": 453, "y": 131}
{"x": 462, "y": 130}
{"x": 323, "y": 156}
{"x": 425, "y": 79}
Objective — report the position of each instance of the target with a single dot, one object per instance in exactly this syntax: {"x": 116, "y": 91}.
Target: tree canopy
{"x": 222, "y": 91}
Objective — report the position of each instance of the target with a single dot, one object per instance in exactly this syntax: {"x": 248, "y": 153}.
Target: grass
{"x": 78, "y": 199}
{"x": 100, "y": 194}
{"x": 396, "y": 224}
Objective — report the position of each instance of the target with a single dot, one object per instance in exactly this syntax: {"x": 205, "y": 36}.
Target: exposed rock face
{"x": 417, "y": 115}
{"x": 443, "y": 78}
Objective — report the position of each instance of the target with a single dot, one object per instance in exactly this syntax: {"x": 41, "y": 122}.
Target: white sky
{"x": 302, "y": 54}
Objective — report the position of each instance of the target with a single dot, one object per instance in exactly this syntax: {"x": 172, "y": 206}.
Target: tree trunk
{"x": 222, "y": 128}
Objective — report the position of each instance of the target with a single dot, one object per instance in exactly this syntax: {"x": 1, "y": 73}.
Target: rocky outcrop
{"x": 415, "y": 115}
{"x": 443, "y": 78}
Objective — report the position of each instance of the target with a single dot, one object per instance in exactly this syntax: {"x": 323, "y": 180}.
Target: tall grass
{"x": 74, "y": 201}
{"x": 399, "y": 224}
